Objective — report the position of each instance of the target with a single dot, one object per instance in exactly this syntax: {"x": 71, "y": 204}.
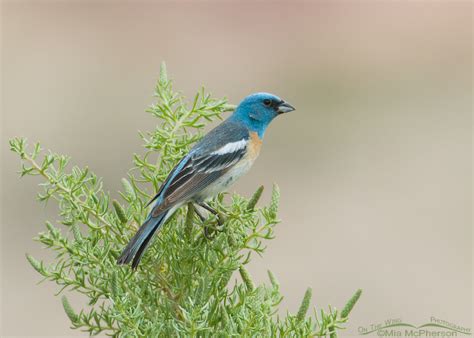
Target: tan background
{"x": 374, "y": 166}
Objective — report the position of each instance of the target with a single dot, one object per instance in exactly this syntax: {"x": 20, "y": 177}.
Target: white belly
{"x": 225, "y": 181}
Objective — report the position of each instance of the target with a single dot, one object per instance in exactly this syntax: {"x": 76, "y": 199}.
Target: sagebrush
{"x": 184, "y": 285}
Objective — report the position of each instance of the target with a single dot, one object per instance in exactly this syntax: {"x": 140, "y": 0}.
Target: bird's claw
{"x": 220, "y": 220}
{"x": 211, "y": 229}
{"x": 207, "y": 233}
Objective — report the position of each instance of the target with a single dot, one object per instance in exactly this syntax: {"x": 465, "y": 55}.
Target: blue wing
{"x": 221, "y": 149}
{"x": 212, "y": 157}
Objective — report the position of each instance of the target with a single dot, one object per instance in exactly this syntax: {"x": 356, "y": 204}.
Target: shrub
{"x": 183, "y": 286}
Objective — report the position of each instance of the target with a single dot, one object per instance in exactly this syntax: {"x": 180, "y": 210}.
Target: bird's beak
{"x": 284, "y": 107}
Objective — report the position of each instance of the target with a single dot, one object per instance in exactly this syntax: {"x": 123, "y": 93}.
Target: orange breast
{"x": 255, "y": 143}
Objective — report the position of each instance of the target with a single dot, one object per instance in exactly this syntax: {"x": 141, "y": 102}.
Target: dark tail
{"x": 137, "y": 245}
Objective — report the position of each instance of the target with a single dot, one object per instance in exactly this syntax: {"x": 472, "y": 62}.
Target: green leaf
{"x": 304, "y": 305}
{"x": 127, "y": 187}
{"x": 76, "y": 232}
{"x": 189, "y": 222}
{"x": 350, "y": 304}
{"x": 37, "y": 265}
{"x": 255, "y": 197}
{"x": 119, "y": 212}
{"x": 68, "y": 309}
{"x": 115, "y": 284}
{"x": 275, "y": 200}
{"x": 273, "y": 280}
{"x": 163, "y": 73}
{"x": 246, "y": 278}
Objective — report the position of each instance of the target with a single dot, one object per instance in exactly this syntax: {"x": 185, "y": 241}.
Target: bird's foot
{"x": 220, "y": 219}
{"x": 211, "y": 228}
{"x": 208, "y": 233}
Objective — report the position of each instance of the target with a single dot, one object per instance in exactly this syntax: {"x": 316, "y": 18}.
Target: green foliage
{"x": 350, "y": 304}
{"x": 183, "y": 286}
{"x": 304, "y": 305}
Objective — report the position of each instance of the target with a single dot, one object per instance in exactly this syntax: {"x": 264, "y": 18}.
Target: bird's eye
{"x": 267, "y": 102}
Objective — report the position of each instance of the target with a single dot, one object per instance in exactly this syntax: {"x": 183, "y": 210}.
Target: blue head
{"x": 256, "y": 111}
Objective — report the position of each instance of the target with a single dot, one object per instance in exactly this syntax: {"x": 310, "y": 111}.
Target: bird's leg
{"x": 213, "y": 211}
{"x": 203, "y": 219}
{"x": 201, "y": 216}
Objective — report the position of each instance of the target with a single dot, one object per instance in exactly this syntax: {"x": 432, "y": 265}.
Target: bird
{"x": 213, "y": 164}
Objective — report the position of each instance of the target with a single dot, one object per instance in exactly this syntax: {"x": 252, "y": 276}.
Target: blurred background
{"x": 374, "y": 166}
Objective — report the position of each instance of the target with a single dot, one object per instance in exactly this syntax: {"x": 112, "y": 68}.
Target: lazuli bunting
{"x": 211, "y": 166}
